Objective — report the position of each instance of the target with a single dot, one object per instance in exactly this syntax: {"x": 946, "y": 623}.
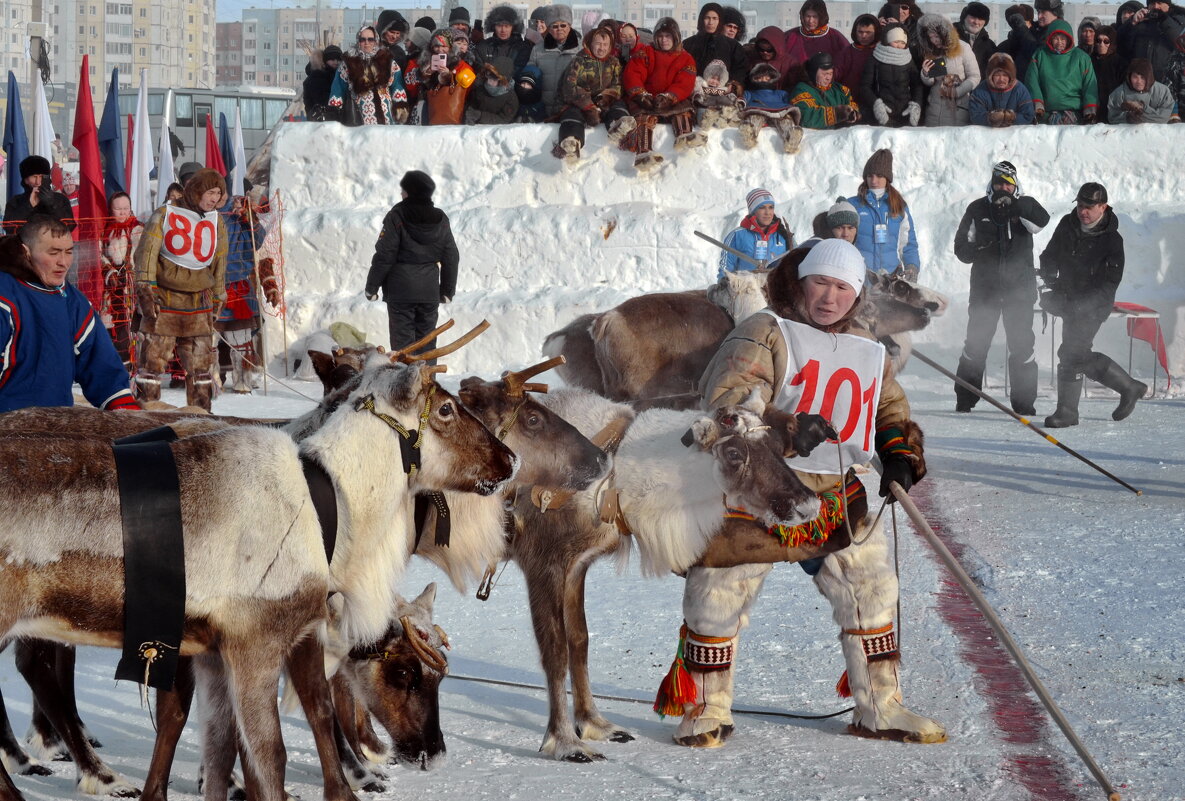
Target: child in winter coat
{"x": 1061, "y": 80}
{"x": 591, "y": 91}
{"x": 824, "y": 103}
{"x": 658, "y": 83}
{"x": 892, "y": 85}
{"x": 1140, "y": 98}
{"x": 1001, "y": 100}
{"x": 530, "y": 95}
{"x": 766, "y": 104}
{"x": 493, "y": 101}
{"x": 950, "y": 70}
{"x": 717, "y": 97}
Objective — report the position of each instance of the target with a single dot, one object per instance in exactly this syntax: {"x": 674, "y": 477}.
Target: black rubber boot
{"x": 1069, "y": 392}
{"x": 1112, "y": 376}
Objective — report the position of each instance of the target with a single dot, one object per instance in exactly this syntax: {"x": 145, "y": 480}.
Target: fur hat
{"x": 835, "y": 258}
{"x": 419, "y": 37}
{"x": 1001, "y": 61}
{"x": 764, "y": 72}
{"x": 502, "y": 14}
{"x": 668, "y": 25}
{"x": 717, "y": 69}
{"x": 842, "y": 213}
{"x": 880, "y": 163}
{"x": 733, "y": 16}
{"x": 557, "y": 13}
{"x": 758, "y": 198}
{"x": 896, "y": 33}
{"x": 186, "y": 171}
{"x": 417, "y": 184}
{"x": 427, "y": 23}
{"x": 199, "y": 184}
{"x": 460, "y": 16}
{"x": 538, "y": 13}
{"x": 1138, "y": 66}
{"x": 1092, "y": 194}
{"x": 332, "y": 53}
{"x": 34, "y": 165}
{"x": 1053, "y": 6}
{"x": 391, "y": 20}
{"x": 977, "y": 10}
{"x": 819, "y": 7}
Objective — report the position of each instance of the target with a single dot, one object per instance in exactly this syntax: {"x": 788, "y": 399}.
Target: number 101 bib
{"x": 839, "y": 377}
{"x": 189, "y": 239}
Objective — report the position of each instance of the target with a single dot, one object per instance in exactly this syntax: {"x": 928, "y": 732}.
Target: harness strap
{"x": 409, "y": 450}
{"x": 607, "y": 439}
{"x": 324, "y": 501}
{"x": 425, "y": 503}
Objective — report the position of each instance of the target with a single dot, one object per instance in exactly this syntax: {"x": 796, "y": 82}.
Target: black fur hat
{"x": 733, "y": 16}
{"x": 34, "y": 165}
{"x": 417, "y": 184}
{"x": 819, "y": 61}
{"x": 391, "y": 20}
{"x": 977, "y": 10}
{"x": 506, "y": 14}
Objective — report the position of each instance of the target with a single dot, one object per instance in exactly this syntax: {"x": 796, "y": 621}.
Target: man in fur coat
{"x": 181, "y": 288}
{"x": 995, "y": 237}
{"x": 49, "y": 333}
{"x": 784, "y": 357}
{"x": 1000, "y": 100}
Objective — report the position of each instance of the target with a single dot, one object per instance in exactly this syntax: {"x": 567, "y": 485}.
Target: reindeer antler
{"x": 516, "y": 382}
{"x": 427, "y": 654}
{"x": 445, "y": 350}
{"x": 431, "y": 370}
{"x": 404, "y": 354}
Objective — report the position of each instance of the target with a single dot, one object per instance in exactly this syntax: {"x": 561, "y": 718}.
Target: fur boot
{"x": 147, "y": 386}
{"x": 749, "y": 130}
{"x": 791, "y": 135}
{"x": 241, "y": 360}
{"x": 862, "y": 588}
{"x": 708, "y": 723}
{"x": 686, "y": 137}
{"x": 620, "y": 128}
{"x": 730, "y": 117}
{"x": 712, "y": 119}
{"x": 568, "y": 150}
{"x": 646, "y": 159}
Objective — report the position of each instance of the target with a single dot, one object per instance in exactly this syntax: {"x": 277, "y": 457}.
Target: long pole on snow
{"x": 1028, "y": 423}
{"x": 994, "y": 621}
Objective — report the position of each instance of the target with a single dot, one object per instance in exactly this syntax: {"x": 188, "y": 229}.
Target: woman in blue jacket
{"x": 885, "y": 236}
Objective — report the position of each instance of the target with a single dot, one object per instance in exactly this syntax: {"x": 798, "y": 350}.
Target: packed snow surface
{"x": 1087, "y": 576}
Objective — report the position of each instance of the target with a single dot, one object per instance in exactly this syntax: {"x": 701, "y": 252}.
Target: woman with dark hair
{"x": 885, "y": 236}
{"x": 1109, "y": 66}
{"x": 121, "y": 235}
{"x": 370, "y": 81}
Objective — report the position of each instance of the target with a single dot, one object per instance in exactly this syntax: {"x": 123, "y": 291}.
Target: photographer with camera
{"x": 1151, "y": 33}
{"x": 1082, "y": 266}
{"x": 950, "y": 70}
{"x": 995, "y": 237}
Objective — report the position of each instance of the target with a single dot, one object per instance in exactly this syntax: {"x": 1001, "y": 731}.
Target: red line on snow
{"x": 1016, "y": 713}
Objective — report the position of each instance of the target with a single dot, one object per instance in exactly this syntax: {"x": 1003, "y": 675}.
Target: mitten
{"x": 844, "y": 114}
{"x": 645, "y": 100}
{"x": 1089, "y": 117}
{"x": 914, "y": 112}
{"x": 995, "y": 118}
{"x": 1009, "y": 117}
{"x": 592, "y": 116}
{"x": 472, "y": 115}
{"x": 813, "y": 430}
{"x": 881, "y": 112}
{"x": 607, "y": 98}
{"x": 147, "y": 300}
{"x": 1039, "y": 109}
{"x": 400, "y": 114}
{"x": 896, "y": 468}
{"x": 664, "y": 100}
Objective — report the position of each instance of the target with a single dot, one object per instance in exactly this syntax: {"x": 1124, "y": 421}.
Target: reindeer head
{"x": 398, "y": 679}
{"x": 554, "y": 454}
{"x": 895, "y": 304}
{"x": 741, "y": 294}
{"x": 337, "y": 368}
{"x": 750, "y": 468}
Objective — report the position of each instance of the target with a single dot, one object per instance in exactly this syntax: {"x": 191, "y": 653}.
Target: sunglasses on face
{"x": 765, "y": 50}
{"x": 1104, "y": 41}
{"x": 367, "y": 39}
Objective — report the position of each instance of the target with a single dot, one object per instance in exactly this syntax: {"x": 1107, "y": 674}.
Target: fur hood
{"x": 668, "y": 25}
{"x": 391, "y": 20}
{"x": 15, "y": 261}
{"x": 820, "y": 8}
{"x": 719, "y": 9}
{"x": 1001, "y": 61}
{"x": 733, "y": 16}
{"x": 1142, "y": 67}
{"x": 587, "y": 43}
{"x": 499, "y": 69}
{"x": 784, "y": 293}
{"x": 765, "y": 69}
{"x": 937, "y": 22}
{"x": 1058, "y": 26}
{"x": 718, "y": 69}
{"x": 203, "y": 181}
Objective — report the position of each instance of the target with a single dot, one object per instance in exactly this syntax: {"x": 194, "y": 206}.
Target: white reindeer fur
{"x": 477, "y": 538}
{"x": 741, "y": 294}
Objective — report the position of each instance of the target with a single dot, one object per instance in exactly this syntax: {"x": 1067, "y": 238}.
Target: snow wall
{"x": 541, "y": 243}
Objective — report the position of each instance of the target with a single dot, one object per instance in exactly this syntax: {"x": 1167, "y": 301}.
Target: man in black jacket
{"x": 38, "y": 199}
{"x": 972, "y": 29}
{"x": 995, "y": 237}
{"x": 709, "y": 43}
{"x": 415, "y": 261}
{"x": 1152, "y": 33}
{"x": 1082, "y": 265}
{"x": 319, "y": 83}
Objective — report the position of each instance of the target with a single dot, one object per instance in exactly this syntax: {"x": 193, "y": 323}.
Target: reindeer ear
{"x": 426, "y": 598}
{"x": 376, "y": 358}
{"x": 703, "y": 432}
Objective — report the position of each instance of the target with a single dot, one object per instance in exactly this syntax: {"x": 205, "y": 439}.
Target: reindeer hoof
{"x": 708, "y": 739}
{"x": 583, "y": 757}
{"x": 621, "y": 736}
{"x": 374, "y": 787}
{"x": 33, "y": 769}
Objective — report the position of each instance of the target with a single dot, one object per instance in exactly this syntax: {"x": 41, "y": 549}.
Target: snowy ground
{"x": 1084, "y": 573}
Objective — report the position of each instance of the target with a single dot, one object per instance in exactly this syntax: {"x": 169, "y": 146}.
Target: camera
{"x": 938, "y": 68}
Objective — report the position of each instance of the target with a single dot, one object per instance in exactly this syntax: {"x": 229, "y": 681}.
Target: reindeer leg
{"x": 253, "y": 682}
{"x": 373, "y": 748}
{"x": 306, "y": 669}
{"x": 545, "y": 591}
{"x": 172, "y": 711}
{"x": 64, "y": 669}
{"x": 42, "y": 740}
{"x": 343, "y": 705}
{"x": 36, "y": 664}
{"x": 12, "y": 755}
{"x": 590, "y": 724}
{"x": 219, "y": 745}
{"x": 8, "y": 790}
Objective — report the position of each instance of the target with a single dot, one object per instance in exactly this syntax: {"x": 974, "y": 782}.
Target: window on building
{"x": 82, "y": 30}
{"x": 144, "y": 12}
{"x": 267, "y": 45}
{"x": 191, "y": 19}
{"x": 143, "y": 52}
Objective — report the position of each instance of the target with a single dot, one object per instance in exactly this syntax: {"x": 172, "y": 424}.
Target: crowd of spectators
{"x": 900, "y": 67}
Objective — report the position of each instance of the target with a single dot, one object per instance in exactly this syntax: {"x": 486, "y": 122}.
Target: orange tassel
{"x": 677, "y": 687}
{"x": 842, "y": 687}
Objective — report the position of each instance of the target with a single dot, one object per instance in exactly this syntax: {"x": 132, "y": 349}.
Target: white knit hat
{"x": 835, "y": 258}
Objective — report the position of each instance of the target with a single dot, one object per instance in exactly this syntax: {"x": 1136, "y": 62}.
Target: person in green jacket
{"x": 1062, "y": 80}
{"x": 824, "y": 104}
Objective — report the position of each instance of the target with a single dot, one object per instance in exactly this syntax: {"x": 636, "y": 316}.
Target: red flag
{"x": 213, "y": 153}
{"x": 1146, "y": 329}
{"x": 127, "y": 162}
{"x": 92, "y": 204}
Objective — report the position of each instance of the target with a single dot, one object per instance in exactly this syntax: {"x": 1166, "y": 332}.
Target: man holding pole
{"x": 1082, "y": 266}
{"x": 995, "y": 237}
{"x": 761, "y": 235}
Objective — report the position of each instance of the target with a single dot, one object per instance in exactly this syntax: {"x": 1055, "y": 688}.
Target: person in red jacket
{"x": 658, "y": 82}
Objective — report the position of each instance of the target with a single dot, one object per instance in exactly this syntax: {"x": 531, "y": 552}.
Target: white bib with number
{"x": 189, "y": 239}
{"x": 837, "y": 376}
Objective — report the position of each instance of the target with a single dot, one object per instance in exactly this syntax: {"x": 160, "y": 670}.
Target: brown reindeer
{"x": 57, "y": 587}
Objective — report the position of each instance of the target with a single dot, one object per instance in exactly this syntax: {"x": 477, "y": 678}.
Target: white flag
{"x": 240, "y": 170}
{"x": 43, "y": 133}
{"x": 164, "y": 161}
{"x": 139, "y": 190}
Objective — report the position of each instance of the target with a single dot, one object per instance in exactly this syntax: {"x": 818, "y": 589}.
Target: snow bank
{"x": 540, "y": 243}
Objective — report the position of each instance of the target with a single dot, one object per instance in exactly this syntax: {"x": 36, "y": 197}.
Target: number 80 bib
{"x": 189, "y": 239}
{"x": 839, "y": 377}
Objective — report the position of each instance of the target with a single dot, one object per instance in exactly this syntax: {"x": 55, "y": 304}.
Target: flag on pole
{"x": 43, "y": 132}
{"x": 240, "y": 168}
{"x": 16, "y": 142}
{"x": 164, "y": 160}
{"x": 141, "y": 157}
{"x": 92, "y": 203}
{"x": 213, "y": 154}
{"x": 127, "y": 159}
{"x": 225, "y": 146}
{"x": 110, "y": 142}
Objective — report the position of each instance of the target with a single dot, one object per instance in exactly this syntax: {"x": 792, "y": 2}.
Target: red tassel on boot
{"x": 678, "y": 687}
{"x": 842, "y": 687}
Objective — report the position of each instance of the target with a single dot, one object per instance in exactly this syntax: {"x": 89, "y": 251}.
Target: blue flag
{"x": 16, "y": 142}
{"x": 110, "y": 141}
{"x": 227, "y": 149}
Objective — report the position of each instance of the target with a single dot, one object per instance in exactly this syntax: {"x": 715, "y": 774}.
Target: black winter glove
{"x": 1016, "y": 21}
{"x": 813, "y": 431}
{"x": 896, "y": 468}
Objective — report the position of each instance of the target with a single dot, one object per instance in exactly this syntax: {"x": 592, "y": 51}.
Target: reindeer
{"x": 671, "y": 498}
{"x": 253, "y": 610}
